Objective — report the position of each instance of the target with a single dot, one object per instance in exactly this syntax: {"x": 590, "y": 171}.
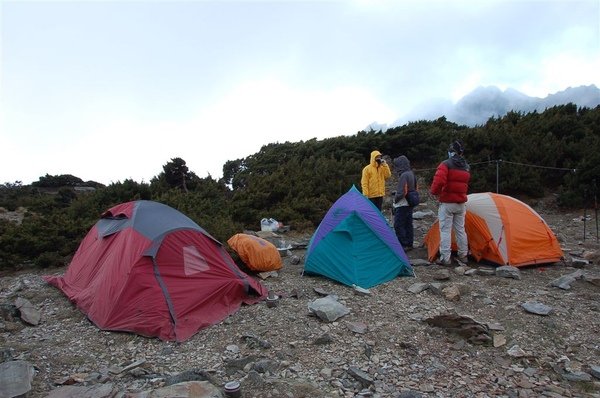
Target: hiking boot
{"x": 442, "y": 262}
{"x": 463, "y": 260}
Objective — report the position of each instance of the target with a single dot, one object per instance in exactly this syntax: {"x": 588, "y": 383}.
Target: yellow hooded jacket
{"x": 374, "y": 176}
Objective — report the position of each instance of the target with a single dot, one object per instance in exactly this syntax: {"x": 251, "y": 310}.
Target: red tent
{"x": 146, "y": 268}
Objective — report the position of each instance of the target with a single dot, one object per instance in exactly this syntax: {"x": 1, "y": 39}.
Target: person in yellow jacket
{"x": 373, "y": 179}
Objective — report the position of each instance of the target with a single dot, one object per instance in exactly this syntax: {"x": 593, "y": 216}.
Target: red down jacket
{"x": 451, "y": 180}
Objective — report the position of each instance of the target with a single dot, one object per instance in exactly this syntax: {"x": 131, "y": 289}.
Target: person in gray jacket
{"x": 403, "y": 212}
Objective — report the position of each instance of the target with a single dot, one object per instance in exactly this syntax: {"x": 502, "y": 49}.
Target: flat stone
{"x": 95, "y": 391}
{"x": 358, "y": 327}
{"x": 507, "y": 271}
{"x": 577, "y": 376}
{"x": 499, "y": 340}
{"x": 564, "y": 282}
{"x": 363, "y": 378}
{"x": 595, "y": 371}
{"x": 486, "y": 271}
{"x": 516, "y": 352}
{"x": 328, "y": 308}
{"x": 579, "y": 263}
{"x": 15, "y": 378}
{"x": 442, "y": 275}
{"x": 418, "y": 287}
{"x": 417, "y": 262}
{"x": 536, "y": 308}
{"x": 495, "y": 326}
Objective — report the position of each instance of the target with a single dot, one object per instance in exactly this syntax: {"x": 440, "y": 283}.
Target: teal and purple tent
{"x": 354, "y": 245}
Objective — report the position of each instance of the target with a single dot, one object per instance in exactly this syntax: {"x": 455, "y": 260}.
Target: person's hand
{"x": 383, "y": 161}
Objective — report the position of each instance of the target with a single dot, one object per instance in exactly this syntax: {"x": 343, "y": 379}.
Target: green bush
{"x": 296, "y": 183}
{"x": 50, "y": 259}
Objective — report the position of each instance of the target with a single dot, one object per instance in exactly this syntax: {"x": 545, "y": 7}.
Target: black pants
{"x": 403, "y": 225}
{"x": 377, "y": 201}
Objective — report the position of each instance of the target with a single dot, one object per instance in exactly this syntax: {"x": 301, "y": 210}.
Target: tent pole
{"x": 596, "y": 208}
{"x": 497, "y": 174}
{"x": 584, "y": 211}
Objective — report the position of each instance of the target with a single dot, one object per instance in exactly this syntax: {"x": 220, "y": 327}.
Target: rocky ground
{"x": 389, "y": 344}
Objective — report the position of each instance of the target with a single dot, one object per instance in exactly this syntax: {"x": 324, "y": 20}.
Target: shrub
{"x": 50, "y": 259}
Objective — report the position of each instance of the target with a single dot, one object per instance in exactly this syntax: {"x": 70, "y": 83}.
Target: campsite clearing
{"x": 382, "y": 348}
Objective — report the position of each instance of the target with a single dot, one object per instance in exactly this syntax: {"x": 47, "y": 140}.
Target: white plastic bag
{"x": 269, "y": 224}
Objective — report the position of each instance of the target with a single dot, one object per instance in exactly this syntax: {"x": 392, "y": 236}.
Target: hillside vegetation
{"x": 524, "y": 155}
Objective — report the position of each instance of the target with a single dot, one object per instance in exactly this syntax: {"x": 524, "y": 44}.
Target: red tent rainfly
{"x": 146, "y": 268}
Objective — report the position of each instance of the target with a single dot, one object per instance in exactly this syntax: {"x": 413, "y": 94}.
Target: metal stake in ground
{"x": 584, "y": 211}
{"x": 596, "y": 208}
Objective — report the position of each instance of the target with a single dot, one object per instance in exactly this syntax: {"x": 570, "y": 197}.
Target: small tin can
{"x": 233, "y": 389}
{"x": 272, "y": 302}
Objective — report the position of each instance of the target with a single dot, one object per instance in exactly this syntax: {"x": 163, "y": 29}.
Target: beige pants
{"x": 452, "y": 216}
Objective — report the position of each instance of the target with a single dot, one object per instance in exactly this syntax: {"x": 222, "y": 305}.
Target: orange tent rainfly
{"x": 502, "y": 230}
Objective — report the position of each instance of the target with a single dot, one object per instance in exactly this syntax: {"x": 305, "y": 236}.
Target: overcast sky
{"x": 110, "y": 90}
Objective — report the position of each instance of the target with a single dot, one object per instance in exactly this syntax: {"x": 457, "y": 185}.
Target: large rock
{"x": 507, "y": 271}
{"x": 29, "y": 314}
{"x": 95, "y": 391}
{"x": 564, "y": 282}
{"x": 15, "y": 378}
{"x": 472, "y": 330}
{"x": 328, "y": 308}
{"x": 418, "y": 287}
{"x": 536, "y": 308}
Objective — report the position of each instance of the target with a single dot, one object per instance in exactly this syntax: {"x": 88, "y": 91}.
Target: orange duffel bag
{"x": 257, "y": 253}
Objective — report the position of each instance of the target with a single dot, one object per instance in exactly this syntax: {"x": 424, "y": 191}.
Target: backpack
{"x": 413, "y": 198}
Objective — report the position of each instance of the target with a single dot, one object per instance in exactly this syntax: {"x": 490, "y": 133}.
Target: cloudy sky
{"x": 110, "y": 90}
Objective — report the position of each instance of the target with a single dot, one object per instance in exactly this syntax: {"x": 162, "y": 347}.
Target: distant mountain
{"x": 484, "y": 102}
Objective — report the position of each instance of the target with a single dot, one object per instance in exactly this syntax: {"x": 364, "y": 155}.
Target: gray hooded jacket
{"x": 406, "y": 180}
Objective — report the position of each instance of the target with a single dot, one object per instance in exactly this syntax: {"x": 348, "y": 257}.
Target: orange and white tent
{"x": 502, "y": 230}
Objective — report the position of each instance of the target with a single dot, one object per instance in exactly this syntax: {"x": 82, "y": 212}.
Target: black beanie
{"x": 456, "y": 147}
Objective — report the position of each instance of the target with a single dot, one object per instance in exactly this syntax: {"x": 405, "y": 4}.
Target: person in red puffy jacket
{"x": 450, "y": 185}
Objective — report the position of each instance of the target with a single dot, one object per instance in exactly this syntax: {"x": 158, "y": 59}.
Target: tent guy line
{"x": 497, "y": 161}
